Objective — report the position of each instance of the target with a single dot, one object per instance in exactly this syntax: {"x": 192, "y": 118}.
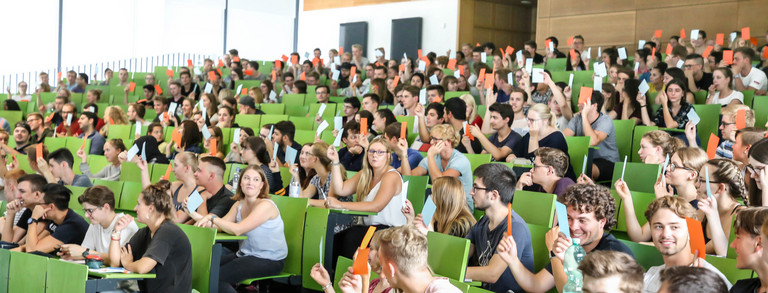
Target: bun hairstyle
{"x": 156, "y": 195}
{"x": 668, "y": 143}
{"x": 545, "y": 113}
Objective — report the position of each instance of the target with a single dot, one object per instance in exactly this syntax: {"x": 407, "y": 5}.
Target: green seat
{"x": 727, "y": 266}
{"x": 27, "y": 272}
{"x": 55, "y": 143}
{"x": 292, "y": 212}
{"x": 231, "y": 170}
{"x": 475, "y": 160}
{"x": 646, "y": 255}
{"x": 303, "y": 123}
{"x": 449, "y": 95}
{"x": 64, "y": 277}
{"x": 5, "y": 265}
{"x": 416, "y": 187}
{"x": 304, "y": 136}
{"x": 639, "y": 177}
{"x": 74, "y": 144}
{"x": 700, "y": 97}
{"x": 24, "y": 163}
{"x": 640, "y": 130}
{"x": 248, "y": 120}
{"x": 122, "y": 131}
{"x": 12, "y": 117}
{"x": 315, "y": 232}
{"x": 76, "y": 193}
{"x": 201, "y": 240}
{"x": 277, "y": 109}
{"x": 749, "y": 97}
{"x": 247, "y": 84}
{"x": 129, "y": 197}
{"x": 583, "y": 77}
{"x": 556, "y": 64}
{"x": 293, "y": 99}
{"x": 578, "y": 146}
{"x": 296, "y": 110}
{"x": 342, "y": 265}
{"x": 271, "y": 119}
{"x": 337, "y": 99}
{"x": 535, "y": 208}
{"x": 540, "y": 252}
{"x": 761, "y": 110}
{"x": 561, "y": 76}
{"x": 640, "y": 201}
{"x": 330, "y": 109}
{"x": 624, "y": 136}
{"x": 447, "y": 255}
{"x": 115, "y": 186}
{"x": 707, "y": 126}
{"x": 130, "y": 172}
{"x": 95, "y": 163}
{"x": 157, "y": 171}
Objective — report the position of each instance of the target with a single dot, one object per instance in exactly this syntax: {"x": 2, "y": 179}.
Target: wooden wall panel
{"x": 543, "y": 8}
{"x": 483, "y": 14}
{"x": 754, "y": 14}
{"x": 617, "y": 30}
{"x": 466, "y": 22}
{"x": 566, "y": 8}
{"x": 495, "y": 21}
{"x": 659, "y": 4}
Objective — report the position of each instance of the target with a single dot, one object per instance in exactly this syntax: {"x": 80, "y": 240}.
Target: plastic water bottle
{"x": 236, "y": 180}
{"x": 573, "y": 256}
{"x": 295, "y": 188}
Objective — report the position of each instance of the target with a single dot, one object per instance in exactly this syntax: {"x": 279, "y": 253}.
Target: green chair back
{"x": 122, "y": 131}
{"x": 292, "y": 211}
{"x": 342, "y": 264}
{"x": 26, "y": 272}
{"x": 416, "y": 187}
{"x": 540, "y": 252}
{"x": 296, "y": 110}
{"x": 640, "y": 130}
{"x": 760, "y": 105}
{"x": 749, "y": 97}
{"x": 555, "y": 64}
{"x": 248, "y": 120}
{"x": 535, "y": 208}
{"x": 583, "y": 77}
{"x": 727, "y": 266}
{"x": 276, "y": 109}
{"x": 475, "y": 160}
{"x": 624, "y": 136}
{"x": 700, "y": 97}
{"x": 578, "y": 146}
{"x": 330, "y": 109}
{"x": 449, "y": 95}
{"x": 303, "y": 123}
{"x": 130, "y": 172}
{"x": 55, "y": 143}
{"x": 315, "y": 232}
{"x": 11, "y": 116}
{"x": 447, "y": 255}
{"x": 646, "y": 255}
{"x": 157, "y": 171}
{"x": 76, "y": 193}
{"x": 293, "y": 99}
{"x": 115, "y": 186}
{"x": 64, "y": 277}
{"x": 130, "y": 196}
{"x": 201, "y": 240}
{"x": 95, "y": 163}
{"x": 304, "y": 136}
{"x": 640, "y": 201}
{"x": 707, "y": 126}
{"x": 271, "y": 119}
{"x": 5, "y": 266}
{"x": 639, "y": 177}
{"x": 74, "y": 144}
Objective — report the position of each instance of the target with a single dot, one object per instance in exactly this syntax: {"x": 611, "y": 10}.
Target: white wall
{"x": 261, "y": 30}
{"x": 320, "y": 28}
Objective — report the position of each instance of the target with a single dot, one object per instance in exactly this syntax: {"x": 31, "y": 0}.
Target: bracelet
{"x": 643, "y": 106}
{"x": 335, "y": 164}
{"x": 327, "y": 286}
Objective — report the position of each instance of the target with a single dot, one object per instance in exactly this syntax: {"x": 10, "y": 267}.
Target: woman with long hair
{"x": 189, "y": 140}
{"x": 113, "y": 115}
{"x": 674, "y": 109}
{"x": 718, "y": 208}
{"x": 303, "y": 168}
{"x": 451, "y": 215}
{"x": 216, "y": 134}
{"x": 758, "y": 179}
{"x": 721, "y": 91}
{"x": 656, "y": 145}
{"x": 226, "y": 117}
{"x": 472, "y": 117}
{"x": 379, "y": 87}
{"x": 111, "y": 172}
{"x": 629, "y": 107}
{"x": 184, "y": 168}
{"x": 253, "y": 151}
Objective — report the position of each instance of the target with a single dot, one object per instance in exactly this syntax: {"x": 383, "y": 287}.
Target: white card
{"x": 321, "y": 110}
{"x": 144, "y": 151}
{"x": 456, "y": 74}
{"x": 680, "y": 63}
{"x": 92, "y": 109}
{"x": 354, "y": 78}
{"x": 338, "y": 122}
{"x": 337, "y": 60}
{"x": 335, "y": 75}
{"x": 402, "y": 194}
{"x": 519, "y": 55}
{"x": 452, "y": 55}
{"x": 623, "y": 53}
{"x": 640, "y": 44}
{"x": 528, "y": 64}
{"x": 433, "y": 79}
{"x": 378, "y": 53}
{"x": 599, "y": 52}
{"x": 483, "y": 57}
{"x": 239, "y": 89}
{"x": 236, "y": 136}
{"x": 197, "y": 71}
{"x": 405, "y": 55}
{"x": 422, "y": 65}
{"x": 694, "y": 117}
{"x": 206, "y": 132}
{"x": 694, "y": 35}
{"x": 600, "y": 69}
{"x": 643, "y": 88}
{"x": 306, "y": 55}
{"x": 132, "y": 152}
{"x": 208, "y": 88}
{"x": 588, "y": 55}
{"x": 337, "y": 141}
{"x": 69, "y": 119}
{"x": 194, "y": 201}
{"x": 172, "y": 108}
{"x": 273, "y": 95}
{"x": 551, "y": 46}
{"x": 537, "y": 75}
{"x": 511, "y": 78}
{"x": 423, "y": 96}
{"x": 271, "y": 130}
{"x": 637, "y": 66}
{"x": 570, "y": 81}
{"x": 597, "y": 84}
{"x": 733, "y": 36}
{"x": 138, "y": 130}
{"x": 321, "y": 127}
{"x": 274, "y": 151}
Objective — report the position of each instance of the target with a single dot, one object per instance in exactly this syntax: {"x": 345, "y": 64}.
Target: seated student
{"x": 184, "y": 168}
{"x": 451, "y": 215}
{"x": 371, "y": 102}
{"x": 728, "y": 127}
{"x": 431, "y": 116}
{"x": 234, "y": 148}
{"x": 682, "y": 174}
{"x": 63, "y": 225}
{"x": 283, "y": 134}
{"x": 492, "y": 190}
{"x": 87, "y": 124}
{"x": 721, "y": 91}
{"x": 472, "y": 117}
{"x": 161, "y": 247}
{"x": 413, "y": 157}
{"x": 456, "y": 117}
{"x": 94, "y": 108}
{"x": 656, "y": 145}
{"x": 444, "y": 160}
{"x": 599, "y": 128}
{"x": 548, "y": 172}
{"x": 379, "y": 189}
{"x": 542, "y": 133}
{"x": 351, "y": 107}
{"x": 748, "y": 244}
{"x": 746, "y": 77}
{"x": 727, "y": 188}
{"x": 254, "y": 152}
{"x": 11, "y": 190}
{"x": 21, "y": 134}
{"x": 115, "y": 115}
{"x": 591, "y": 211}
{"x": 758, "y": 182}
{"x": 248, "y": 106}
{"x": 381, "y": 118}
{"x": 403, "y": 258}
{"x": 156, "y": 131}
{"x": 673, "y": 112}
{"x": 58, "y": 168}
{"x": 226, "y": 116}
{"x": 436, "y": 94}
{"x": 256, "y": 216}
{"x": 688, "y": 278}
{"x": 628, "y": 106}
{"x": 153, "y": 153}
{"x": 210, "y": 176}
{"x": 135, "y": 113}
{"x": 19, "y": 210}
{"x": 670, "y": 236}
{"x": 503, "y": 140}
{"x": 99, "y": 206}
{"x": 611, "y": 271}
{"x": 316, "y": 167}
{"x": 189, "y": 140}
{"x": 351, "y": 156}
{"x": 37, "y": 124}
{"x": 377, "y": 285}
{"x": 369, "y": 117}
{"x": 111, "y": 172}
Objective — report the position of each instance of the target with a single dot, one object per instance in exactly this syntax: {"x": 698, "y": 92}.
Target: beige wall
{"x": 501, "y": 22}
{"x": 624, "y": 22}
{"x": 327, "y": 4}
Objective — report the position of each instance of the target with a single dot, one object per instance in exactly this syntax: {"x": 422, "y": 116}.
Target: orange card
{"x": 719, "y": 39}
{"x": 669, "y": 49}
{"x": 131, "y": 86}
{"x": 219, "y": 71}
{"x": 765, "y": 53}
{"x": 728, "y": 56}
{"x": 368, "y": 236}
{"x": 176, "y": 137}
{"x": 712, "y": 145}
{"x": 573, "y": 54}
{"x": 477, "y": 45}
{"x": 315, "y": 61}
{"x": 502, "y": 51}
{"x": 248, "y": 72}
{"x": 167, "y": 175}
{"x": 285, "y": 58}
{"x": 509, "y": 219}
{"x": 403, "y": 129}
{"x": 653, "y": 53}
{"x": 707, "y": 51}
{"x": 211, "y": 75}
{"x": 189, "y": 63}
{"x": 395, "y": 81}
{"x": 481, "y": 75}
{"x": 236, "y": 59}
{"x": 244, "y": 92}
{"x": 279, "y": 64}
{"x": 682, "y": 33}
{"x": 221, "y": 63}
{"x": 489, "y": 79}
{"x": 360, "y": 266}
{"x": 741, "y": 119}
{"x": 169, "y": 72}
{"x": 303, "y": 76}
{"x": 85, "y": 138}
{"x": 745, "y": 33}
{"x": 585, "y": 95}
{"x": 468, "y": 133}
{"x": 59, "y": 75}
{"x": 165, "y": 117}
{"x": 420, "y": 54}
{"x": 657, "y": 34}
{"x": 546, "y": 43}
{"x": 111, "y": 121}
{"x": 570, "y": 41}
{"x": 461, "y": 69}
{"x": 274, "y": 75}
{"x": 363, "y": 126}
{"x": 510, "y": 50}
{"x": 401, "y": 68}
{"x": 213, "y": 147}
{"x": 294, "y": 59}
{"x": 452, "y": 64}
{"x": 341, "y": 50}
{"x": 158, "y": 89}
{"x": 425, "y": 59}
{"x": 50, "y": 117}
{"x": 39, "y": 150}
{"x": 696, "y": 234}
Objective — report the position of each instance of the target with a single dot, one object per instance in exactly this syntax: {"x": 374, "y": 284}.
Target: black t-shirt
{"x": 192, "y": 87}
{"x": 171, "y": 250}
{"x": 746, "y": 286}
{"x": 704, "y": 83}
{"x": 281, "y": 153}
{"x": 607, "y": 242}
{"x": 220, "y": 203}
{"x": 476, "y": 146}
{"x": 486, "y": 241}
{"x": 71, "y": 230}
{"x": 24, "y": 220}
{"x": 538, "y": 58}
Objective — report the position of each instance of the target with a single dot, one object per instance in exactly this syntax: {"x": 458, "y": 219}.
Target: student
{"x": 210, "y": 176}
{"x": 400, "y": 145}
{"x": 748, "y": 245}
{"x": 351, "y": 156}
{"x": 601, "y": 132}
{"x": 591, "y": 211}
{"x": 283, "y": 135}
{"x": 728, "y": 127}
{"x": 674, "y": 109}
{"x": 670, "y": 236}
{"x": 111, "y": 172}
{"x": 371, "y": 102}
{"x": 548, "y": 173}
{"x": 21, "y": 134}
{"x": 254, "y": 152}
{"x": 758, "y": 182}
{"x": 430, "y": 117}
{"x": 216, "y": 135}
{"x": 19, "y": 211}
{"x": 379, "y": 189}
{"x": 136, "y": 113}
{"x": 471, "y": 114}
{"x": 409, "y": 101}
{"x": 727, "y": 188}
{"x": 189, "y": 140}
{"x": 721, "y": 90}
{"x": 656, "y": 145}
{"x": 226, "y": 116}
{"x": 54, "y": 215}
{"x": 40, "y": 131}
{"x": 746, "y": 77}
{"x": 256, "y": 216}
{"x": 351, "y": 106}
{"x": 99, "y": 205}
{"x": 377, "y": 285}
{"x": 451, "y": 215}
{"x": 503, "y": 140}
{"x": 161, "y": 247}
{"x": 694, "y": 70}
{"x": 382, "y": 118}
{"x": 681, "y": 279}
{"x": 87, "y": 123}
{"x": 542, "y": 133}
{"x": 492, "y": 190}
{"x": 611, "y": 271}
{"x": 456, "y": 116}
{"x": 148, "y": 145}
{"x": 68, "y": 126}
{"x": 58, "y": 168}
{"x": 184, "y": 167}
{"x": 745, "y": 138}
{"x": 318, "y": 181}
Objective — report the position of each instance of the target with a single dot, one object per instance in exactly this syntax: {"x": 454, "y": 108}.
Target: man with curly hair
{"x": 591, "y": 210}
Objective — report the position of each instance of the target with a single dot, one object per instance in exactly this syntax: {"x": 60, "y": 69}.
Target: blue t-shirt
{"x": 511, "y": 141}
{"x": 486, "y": 241}
{"x": 97, "y": 143}
{"x": 501, "y": 96}
{"x": 414, "y": 158}
{"x": 460, "y": 163}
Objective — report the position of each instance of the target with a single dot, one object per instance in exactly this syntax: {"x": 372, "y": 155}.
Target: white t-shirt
{"x": 756, "y": 79}
{"x": 98, "y": 238}
{"x": 652, "y": 279}
{"x": 520, "y": 126}
{"x": 735, "y": 95}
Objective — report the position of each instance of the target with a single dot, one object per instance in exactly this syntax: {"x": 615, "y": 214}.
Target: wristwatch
{"x": 85, "y": 253}
{"x": 552, "y": 254}
{"x": 33, "y": 220}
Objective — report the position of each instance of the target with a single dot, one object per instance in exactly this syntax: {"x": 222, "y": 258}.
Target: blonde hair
{"x": 214, "y": 107}
{"x": 692, "y": 157}
{"x": 320, "y": 151}
{"x": 452, "y": 216}
{"x": 751, "y": 220}
{"x": 366, "y": 173}
{"x": 117, "y": 114}
{"x": 405, "y": 246}
{"x": 728, "y": 172}
{"x": 607, "y": 263}
{"x": 668, "y": 143}
{"x": 446, "y": 132}
{"x": 470, "y": 101}
{"x": 732, "y": 110}
{"x": 677, "y": 205}
{"x": 545, "y": 113}
{"x": 187, "y": 159}
{"x": 258, "y": 96}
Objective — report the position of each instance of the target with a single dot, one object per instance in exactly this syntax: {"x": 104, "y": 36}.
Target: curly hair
{"x": 405, "y": 246}
{"x": 589, "y": 198}
{"x": 446, "y": 132}
{"x": 677, "y": 205}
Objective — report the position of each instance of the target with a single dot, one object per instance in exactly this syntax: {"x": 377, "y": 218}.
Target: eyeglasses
{"x": 533, "y": 120}
{"x": 539, "y": 166}
{"x": 432, "y": 138}
{"x": 704, "y": 180}
{"x": 306, "y": 153}
{"x": 378, "y": 153}
{"x": 90, "y": 211}
{"x": 754, "y": 170}
{"x": 476, "y": 188}
{"x": 673, "y": 167}
{"x": 728, "y": 123}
